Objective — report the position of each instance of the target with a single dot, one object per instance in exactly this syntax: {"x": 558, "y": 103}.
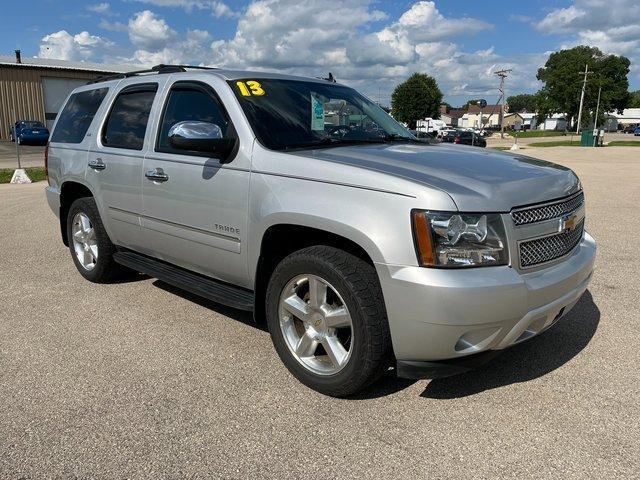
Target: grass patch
{"x": 623, "y": 143}
{"x": 36, "y": 174}
{"x": 563, "y": 143}
{"x": 538, "y": 133}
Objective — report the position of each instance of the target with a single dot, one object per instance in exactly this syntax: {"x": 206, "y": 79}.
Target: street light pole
{"x": 595, "y": 121}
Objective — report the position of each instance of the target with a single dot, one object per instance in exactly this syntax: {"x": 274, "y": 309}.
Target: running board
{"x": 195, "y": 283}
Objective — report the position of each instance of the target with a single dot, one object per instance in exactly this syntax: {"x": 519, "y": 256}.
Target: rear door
{"x": 73, "y": 134}
{"x": 197, "y": 216}
{"x": 115, "y": 161}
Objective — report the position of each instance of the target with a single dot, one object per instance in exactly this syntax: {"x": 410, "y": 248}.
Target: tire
{"x": 103, "y": 269}
{"x": 351, "y": 283}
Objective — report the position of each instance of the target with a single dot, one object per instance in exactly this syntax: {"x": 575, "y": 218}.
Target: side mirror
{"x": 205, "y": 137}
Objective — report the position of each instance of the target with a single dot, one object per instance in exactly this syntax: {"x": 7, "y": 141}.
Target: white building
{"x": 615, "y": 121}
{"x": 557, "y": 121}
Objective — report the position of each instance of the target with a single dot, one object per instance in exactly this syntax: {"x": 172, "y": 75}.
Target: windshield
{"x": 287, "y": 114}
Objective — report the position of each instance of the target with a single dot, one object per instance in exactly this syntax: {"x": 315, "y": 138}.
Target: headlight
{"x": 459, "y": 239}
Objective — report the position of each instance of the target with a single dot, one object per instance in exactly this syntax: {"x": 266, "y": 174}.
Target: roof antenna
{"x": 330, "y": 78}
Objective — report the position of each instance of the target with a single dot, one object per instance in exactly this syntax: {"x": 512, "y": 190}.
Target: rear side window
{"x": 127, "y": 122}
{"x": 77, "y": 115}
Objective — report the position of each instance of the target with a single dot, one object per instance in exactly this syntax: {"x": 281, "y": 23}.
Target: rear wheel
{"x": 327, "y": 320}
{"x": 90, "y": 246}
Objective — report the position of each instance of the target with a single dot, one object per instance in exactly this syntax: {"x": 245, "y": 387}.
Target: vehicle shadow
{"x": 528, "y": 360}
{"x": 235, "y": 314}
{"x": 521, "y": 363}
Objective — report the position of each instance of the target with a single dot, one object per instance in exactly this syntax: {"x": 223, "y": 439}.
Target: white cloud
{"x": 218, "y": 8}
{"x": 113, "y": 26}
{"x": 423, "y": 22}
{"x": 611, "y": 25}
{"x": 82, "y": 46}
{"x": 103, "y": 8}
{"x": 149, "y": 32}
{"x": 192, "y": 49}
{"x": 353, "y": 39}
{"x": 559, "y": 20}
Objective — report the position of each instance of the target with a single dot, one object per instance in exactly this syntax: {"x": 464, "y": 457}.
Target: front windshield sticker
{"x": 317, "y": 113}
{"x": 250, "y": 87}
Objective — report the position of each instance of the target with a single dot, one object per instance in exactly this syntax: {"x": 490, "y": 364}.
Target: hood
{"x": 476, "y": 179}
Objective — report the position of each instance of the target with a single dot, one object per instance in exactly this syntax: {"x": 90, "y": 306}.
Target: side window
{"x": 127, "y": 121}
{"x": 77, "y": 115}
{"x": 189, "y": 102}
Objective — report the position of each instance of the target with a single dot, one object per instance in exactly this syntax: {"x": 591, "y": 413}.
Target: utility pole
{"x": 584, "y": 87}
{"x": 504, "y": 73}
{"x": 595, "y": 121}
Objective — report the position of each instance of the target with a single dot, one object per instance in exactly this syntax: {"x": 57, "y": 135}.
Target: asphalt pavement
{"x": 139, "y": 380}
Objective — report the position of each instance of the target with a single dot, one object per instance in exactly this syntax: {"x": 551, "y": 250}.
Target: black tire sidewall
{"x": 285, "y": 272}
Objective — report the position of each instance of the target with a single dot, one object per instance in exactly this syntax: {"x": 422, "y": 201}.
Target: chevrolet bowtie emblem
{"x": 569, "y": 222}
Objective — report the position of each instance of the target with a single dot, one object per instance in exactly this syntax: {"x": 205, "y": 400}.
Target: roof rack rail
{"x": 161, "y": 68}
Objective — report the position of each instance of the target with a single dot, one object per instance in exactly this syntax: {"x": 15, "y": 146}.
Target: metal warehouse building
{"x": 35, "y": 88}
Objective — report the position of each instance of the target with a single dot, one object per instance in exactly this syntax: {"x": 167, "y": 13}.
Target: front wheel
{"x": 327, "y": 320}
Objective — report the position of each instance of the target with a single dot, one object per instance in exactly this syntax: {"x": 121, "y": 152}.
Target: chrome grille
{"x": 548, "y": 211}
{"x": 542, "y": 250}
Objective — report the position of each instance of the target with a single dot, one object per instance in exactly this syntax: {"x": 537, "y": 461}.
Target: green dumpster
{"x": 586, "y": 140}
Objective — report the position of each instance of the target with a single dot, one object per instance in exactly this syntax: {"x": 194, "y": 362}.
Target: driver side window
{"x": 189, "y": 103}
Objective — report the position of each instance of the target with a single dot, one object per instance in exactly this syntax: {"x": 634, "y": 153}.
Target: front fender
{"x": 379, "y": 222}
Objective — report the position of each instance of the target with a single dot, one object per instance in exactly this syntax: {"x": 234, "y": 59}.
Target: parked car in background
{"x": 636, "y": 132}
{"x": 629, "y": 129}
{"x": 29, "y": 131}
{"x": 448, "y": 135}
{"x": 470, "y": 138}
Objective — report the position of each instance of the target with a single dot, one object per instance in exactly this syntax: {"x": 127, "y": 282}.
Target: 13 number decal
{"x": 250, "y": 87}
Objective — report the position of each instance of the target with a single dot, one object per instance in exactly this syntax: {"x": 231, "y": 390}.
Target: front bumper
{"x": 34, "y": 139}
{"x": 439, "y": 314}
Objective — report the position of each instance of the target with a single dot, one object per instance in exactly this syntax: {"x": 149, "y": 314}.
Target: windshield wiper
{"x": 396, "y": 137}
{"x": 334, "y": 142}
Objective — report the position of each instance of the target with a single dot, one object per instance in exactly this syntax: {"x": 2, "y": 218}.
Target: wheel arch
{"x": 282, "y": 239}
{"x": 70, "y": 191}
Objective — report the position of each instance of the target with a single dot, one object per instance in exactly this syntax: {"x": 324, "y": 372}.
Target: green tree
{"x": 522, "y": 102}
{"x": 634, "y": 101}
{"x": 562, "y": 80}
{"x": 418, "y": 97}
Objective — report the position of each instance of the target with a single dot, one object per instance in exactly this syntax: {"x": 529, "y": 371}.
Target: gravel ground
{"x": 139, "y": 380}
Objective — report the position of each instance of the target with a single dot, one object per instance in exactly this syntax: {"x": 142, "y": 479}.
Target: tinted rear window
{"x": 77, "y": 115}
{"x": 127, "y": 122}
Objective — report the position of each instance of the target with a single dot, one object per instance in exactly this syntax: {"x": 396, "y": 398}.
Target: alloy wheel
{"x": 316, "y": 324}
{"x": 85, "y": 243}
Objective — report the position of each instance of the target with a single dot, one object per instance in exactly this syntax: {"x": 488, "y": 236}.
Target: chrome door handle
{"x": 157, "y": 175}
{"x": 97, "y": 164}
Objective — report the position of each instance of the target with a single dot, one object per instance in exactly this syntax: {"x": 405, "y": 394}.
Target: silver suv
{"x": 301, "y": 200}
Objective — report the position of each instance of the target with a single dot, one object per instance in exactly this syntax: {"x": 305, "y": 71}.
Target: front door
{"x": 194, "y": 206}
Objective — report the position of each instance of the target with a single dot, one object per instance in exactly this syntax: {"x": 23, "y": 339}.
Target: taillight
{"x": 457, "y": 140}
{"x": 46, "y": 162}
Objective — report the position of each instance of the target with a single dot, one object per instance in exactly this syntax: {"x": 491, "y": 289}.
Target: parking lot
{"x": 139, "y": 379}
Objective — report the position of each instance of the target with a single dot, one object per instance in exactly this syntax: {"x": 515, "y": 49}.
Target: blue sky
{"x": 372, "y": 45}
